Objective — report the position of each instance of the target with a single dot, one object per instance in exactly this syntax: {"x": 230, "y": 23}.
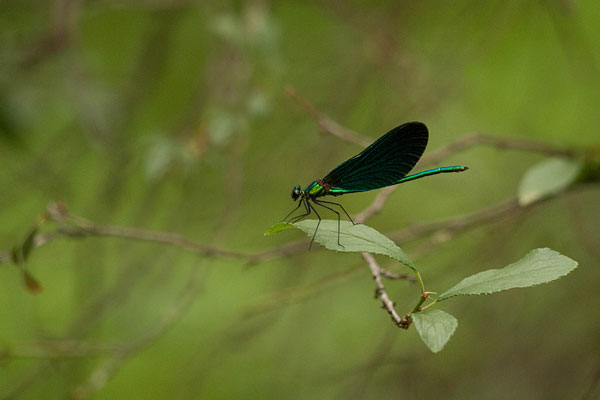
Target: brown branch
{"x": 58, "y": 37}
{"x": 57, "y": 349}
{"x": 327, "y": 124}
{"x": 334, "y": 128}
{"x": 75, "y": 226}
{"x": 504, "y": 143}
{"x": 441, "y": 229}
{"x": 381, "y": 293}
{"x": 376, "y": 206}
{"x": 394, "y": 276}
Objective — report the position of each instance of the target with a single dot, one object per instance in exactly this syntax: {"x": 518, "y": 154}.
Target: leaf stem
{"x": 417, "y": 307}
{"x": 424, "y": 294}
{"x": 429, "y": 305}
{"x": 421, "y": 284}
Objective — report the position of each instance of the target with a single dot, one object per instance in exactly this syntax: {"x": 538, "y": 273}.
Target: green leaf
{"x": 281, "y": 226}
{"x": 435, "y": 327}
{"x": 354, "y": 238}
{"x": 547, "y": 178}
{"x": 537, "y": 267}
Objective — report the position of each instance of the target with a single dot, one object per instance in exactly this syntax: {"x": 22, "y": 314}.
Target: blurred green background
{"x": 172, "y": 116}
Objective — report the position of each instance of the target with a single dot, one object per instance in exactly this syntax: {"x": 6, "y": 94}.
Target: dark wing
{"x": 384, "y": 162}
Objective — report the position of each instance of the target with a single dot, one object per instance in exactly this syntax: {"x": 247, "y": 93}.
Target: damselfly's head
{"x": 296, "y": 192}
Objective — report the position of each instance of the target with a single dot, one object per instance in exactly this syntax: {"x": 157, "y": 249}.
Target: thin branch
{"x": 381, "y": 293}
{"x": 327, "y": 124}
{"x": 376, "y": 206}
{"x": 442, "y": 229}
{"x": 75, "y": 226}
{"x": 58, "y": 37}
{"x": 57, "y": 349}
{"x": 394, "y": 276}
{"x": 334, "y": 128}
{"x": 501, "y": 143}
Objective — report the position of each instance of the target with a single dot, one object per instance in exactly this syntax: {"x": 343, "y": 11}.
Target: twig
{"x": 376, "y": 206}
{"x": 394, "y": 276}
{"x": 58, "y": 37}
{"x": 57, "y": 349}
{"x": 327, "y": 124}
{"x": 480, "y": 139}
{"x": 381, "y": 293}
{"x": 441, "y": 229}
{"x": 75, "y": 226}
{"x": 334, "y": 128}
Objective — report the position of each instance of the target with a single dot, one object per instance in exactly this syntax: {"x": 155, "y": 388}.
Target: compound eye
{"x": 296, "y": 192}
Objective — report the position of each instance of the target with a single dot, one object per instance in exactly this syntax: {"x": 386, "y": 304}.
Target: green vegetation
{"x": 147, "y": 146}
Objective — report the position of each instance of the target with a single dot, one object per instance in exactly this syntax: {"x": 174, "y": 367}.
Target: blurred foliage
{"x": 171, "y": 115}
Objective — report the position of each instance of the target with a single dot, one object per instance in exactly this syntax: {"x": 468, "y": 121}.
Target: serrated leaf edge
{"x": 442, "y": 297}
{"x": 388, "y": 245}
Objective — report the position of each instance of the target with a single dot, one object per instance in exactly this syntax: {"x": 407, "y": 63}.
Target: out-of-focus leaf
{"x": 228, "y": 27}
{"x": 546, "y": 178}
{"x": 28, "y": 244}
{"x": 537, "y": 267}
{"x": 435, "y": 328}
{"x": 159, "y": 157}
{"x": 354, "y": 238}
{"x": 32, "y": 284}
{"x": 258, "y": 104}
{"x": 222, "y": 126}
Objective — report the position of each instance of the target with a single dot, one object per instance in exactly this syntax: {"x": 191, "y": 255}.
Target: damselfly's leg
{"x": 319, "y": 202}
{"x": 318, "y": 223}
{"x": 299, "y": 217}
{"x": 342, "y": 207}
{"x": 294, "y": 210}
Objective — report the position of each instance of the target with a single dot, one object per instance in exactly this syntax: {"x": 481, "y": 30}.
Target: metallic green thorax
{"x": 315, "y": 190}
{"x": 318, "y": 188}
